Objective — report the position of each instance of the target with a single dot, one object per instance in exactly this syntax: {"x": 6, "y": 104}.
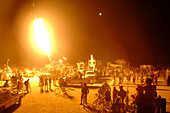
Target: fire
{"x": 42, "y": 36}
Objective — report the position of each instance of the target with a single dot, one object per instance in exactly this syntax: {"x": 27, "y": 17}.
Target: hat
{"x": 120, "y": 86}
{"x": 149, "y": 80}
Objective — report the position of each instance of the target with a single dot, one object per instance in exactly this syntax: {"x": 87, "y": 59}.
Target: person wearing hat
{"x": 140, "y": 100}
{"x": 149, "y": 92}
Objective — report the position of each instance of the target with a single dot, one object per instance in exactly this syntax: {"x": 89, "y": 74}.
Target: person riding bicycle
{"x": 84, "y": 92}
{"x": 61, "y": 82}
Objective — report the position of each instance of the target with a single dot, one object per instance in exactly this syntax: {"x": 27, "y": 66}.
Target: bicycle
{"x": 99, "y": 103}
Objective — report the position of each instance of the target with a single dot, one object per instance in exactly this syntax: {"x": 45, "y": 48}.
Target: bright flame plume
{"x": 42, "y": 36}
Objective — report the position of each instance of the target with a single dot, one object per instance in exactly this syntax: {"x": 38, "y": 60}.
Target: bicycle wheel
{"x": 57, "y": 91}
{"x": 95, "y": 103}
{"x": 99, "y": 107}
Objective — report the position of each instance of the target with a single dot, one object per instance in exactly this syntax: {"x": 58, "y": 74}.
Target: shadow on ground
{"x": 12, "y": 108}
{"x": 90, "y": 109}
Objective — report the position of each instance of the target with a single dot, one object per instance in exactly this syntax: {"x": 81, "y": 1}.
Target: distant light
{"x": 100, "y": 14}
{"x": 60, "y": 61}
{"x": 33, "y": 4}
{"x": 64, "y": 58}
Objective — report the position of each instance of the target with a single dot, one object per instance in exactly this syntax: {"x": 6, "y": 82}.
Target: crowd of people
{"x": 145, "y": 100}
{"x": 45, "y": 83}
{"x": 18, "y": 83}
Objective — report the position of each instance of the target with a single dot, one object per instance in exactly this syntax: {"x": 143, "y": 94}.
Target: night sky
{"x": 136, "y": 31}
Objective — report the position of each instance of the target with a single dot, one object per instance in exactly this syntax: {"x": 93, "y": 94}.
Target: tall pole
{"x": 7, "y": 62}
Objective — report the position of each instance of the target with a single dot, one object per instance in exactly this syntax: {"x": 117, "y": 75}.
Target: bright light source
{"x": 42, "y": 36}
{"x": 100, "y": 14}
{"x": 60, "y": 61}
{"x": 64, "y": 58}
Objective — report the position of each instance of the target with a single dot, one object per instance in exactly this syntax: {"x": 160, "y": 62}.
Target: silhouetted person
{"x": 168, "y": 80}
{"x": 115, "y": 93}
{"x": 155, "y": 79}
{"x": 140, "y": 100}
{"x": 41, "y": 83}
{"x": 116, "y": 106}
{"x": 134, "y": 79}
{"x": 46, "y": 84}
{"x": 84, "y": 92}
{"x": 122, "y": 95}
{"x": 50, "y": 83}
{"x": 26, "y": 85}
{"x": 150, "y": 96}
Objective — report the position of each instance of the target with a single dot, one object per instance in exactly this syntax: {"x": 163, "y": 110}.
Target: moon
{"x": 100, "y": 14}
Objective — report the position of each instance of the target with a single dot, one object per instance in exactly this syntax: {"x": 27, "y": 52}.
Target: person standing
{"x": 134, "y": 78}
{"x": 168, "y": 81}
{"x": 140, "y": 100}
{"x": 41, "y": 83}
{"x": 84, "y": 92}
{"x": 122, "y": 95}
{"x": 155, "y": 79}
{"x": 115, "y": 93}
{"x": 46, "y": 84}
{"x": 26, "y": 85}
{"x": 50, "y": 83}
{"x": 107, "y": 97}
{"x": 150, "y": 92}
{"x": 116, "y": 106}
